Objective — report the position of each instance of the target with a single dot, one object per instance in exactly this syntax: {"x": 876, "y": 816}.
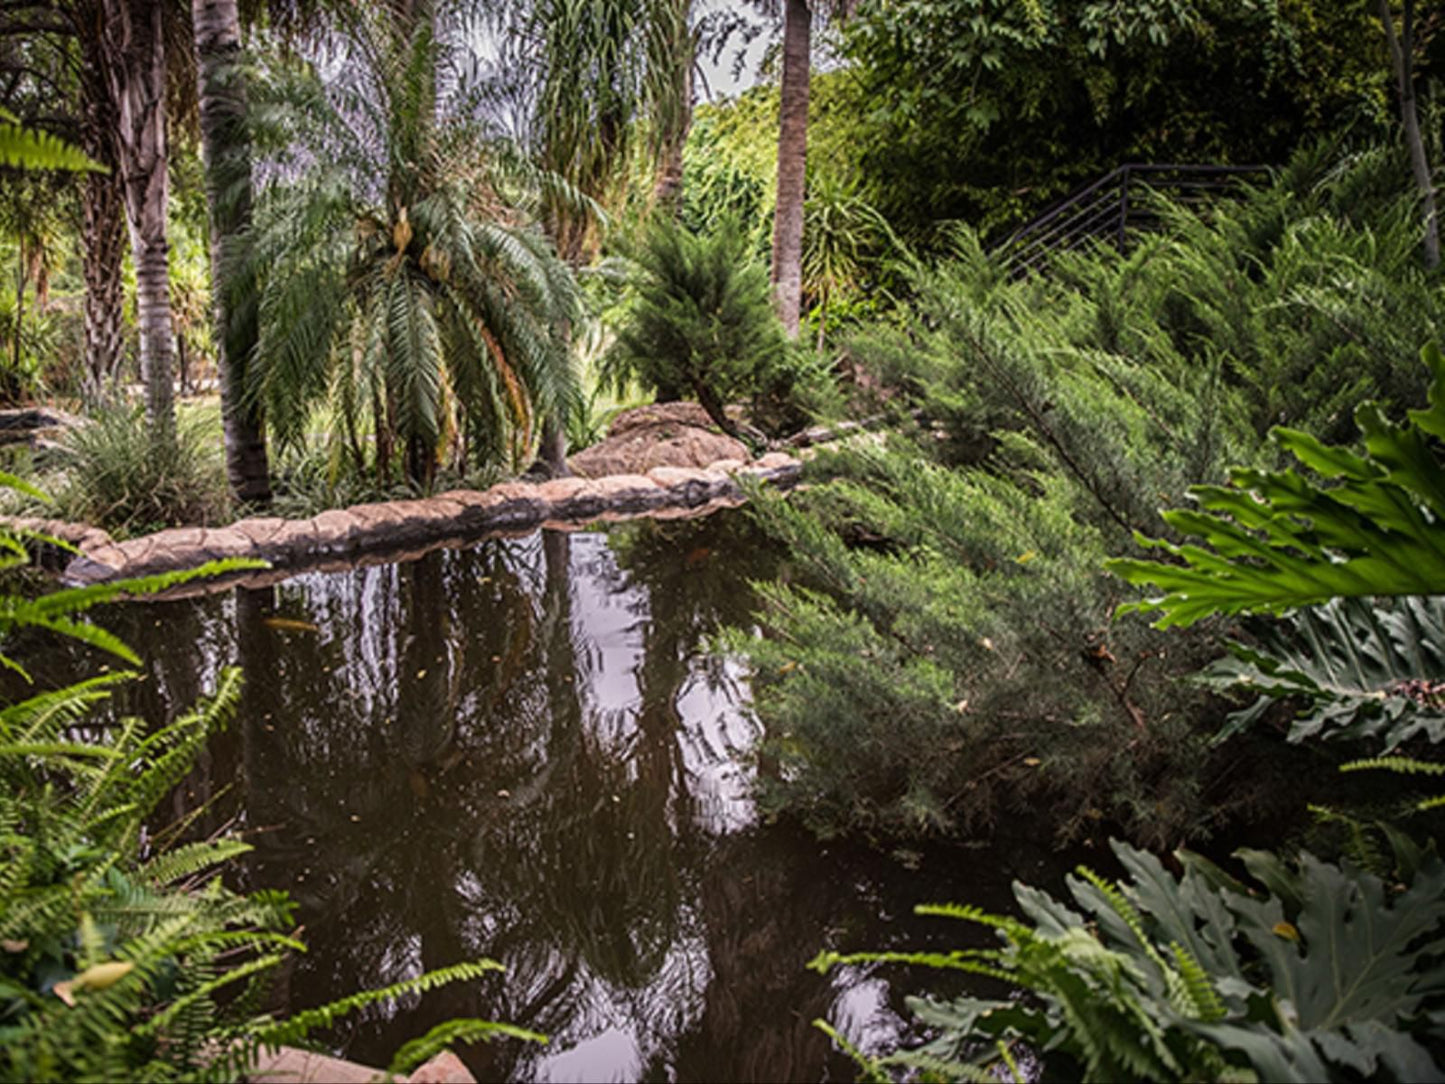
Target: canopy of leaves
{"x": 987, "y": 110}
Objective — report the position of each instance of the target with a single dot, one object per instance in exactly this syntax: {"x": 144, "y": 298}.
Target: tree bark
{"x": 553, "y": 452}
{"x": 102, "y": 227}
{"x": 135, "y": 68}
{"x": 1402, "y": 49}
{"x": 792, "y": 165}
{"x": 678, "y": 52}
{"x": 226, "y": 145}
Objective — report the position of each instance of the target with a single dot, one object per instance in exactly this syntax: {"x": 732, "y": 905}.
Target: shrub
{"x": 952, "y": 646}
{"x": 1331, "y": 973}
{"x": 701, "y": 324}
{"x": 117, "y": 477}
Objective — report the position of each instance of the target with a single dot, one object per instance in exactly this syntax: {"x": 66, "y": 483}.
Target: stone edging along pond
{"x": 396, "y": 530}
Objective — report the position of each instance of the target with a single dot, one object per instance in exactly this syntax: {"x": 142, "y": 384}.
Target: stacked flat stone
{"x": 386, "y": 528}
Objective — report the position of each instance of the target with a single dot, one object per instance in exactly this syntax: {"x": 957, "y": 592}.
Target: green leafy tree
{"x": 985, "y": 111}
{"x": 402, "y": 278}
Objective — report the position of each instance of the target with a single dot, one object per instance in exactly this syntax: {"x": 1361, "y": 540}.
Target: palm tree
{"x": 227, "y": 149}
{"x": 133, "y": 59}
{"x": 400, "y": 271}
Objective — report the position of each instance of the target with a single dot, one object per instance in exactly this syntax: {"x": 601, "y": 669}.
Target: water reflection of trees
{"x": 448, "y": 785}
{"x": 482, "y": 753}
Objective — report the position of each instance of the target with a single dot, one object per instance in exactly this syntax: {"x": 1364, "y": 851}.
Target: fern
{"x": 27, "y": 148}
{"x": 454, "y": 1033}
{"x": 300, "y": 1024}
{"x": 1358, "y": 962}
{"x": 127, "y": 968}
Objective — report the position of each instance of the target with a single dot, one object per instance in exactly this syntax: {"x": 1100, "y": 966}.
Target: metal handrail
{"x": 1105, "y": 209}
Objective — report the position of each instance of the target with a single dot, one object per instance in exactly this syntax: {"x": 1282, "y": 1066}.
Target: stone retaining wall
{"x": 398, "y": 528}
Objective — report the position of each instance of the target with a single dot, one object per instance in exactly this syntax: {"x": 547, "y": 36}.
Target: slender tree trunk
{"x": 12, "y": 379}
{"x": 553, "y": 453}
{"x": 135, "y": 66}
{"x": 1402, "y": 48}
{"x": 792, "y": 165}
{"x": 227, "y": 148}
{"x": 102, "y": 226}
{"x": 676, "y": 50}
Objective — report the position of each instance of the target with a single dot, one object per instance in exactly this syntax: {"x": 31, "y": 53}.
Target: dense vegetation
{"x": 410, "y": 244}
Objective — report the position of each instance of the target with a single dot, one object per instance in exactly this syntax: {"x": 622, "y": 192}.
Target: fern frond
{"x": 453, "y": 1033}
{"x": 297, "y": 1026}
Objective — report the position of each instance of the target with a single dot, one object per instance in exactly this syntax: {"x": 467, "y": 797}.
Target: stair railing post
{"x": 1123, "y": 204}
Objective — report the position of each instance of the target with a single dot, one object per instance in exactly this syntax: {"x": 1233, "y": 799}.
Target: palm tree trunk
{"x": 1402, "y": 50}
{"x": 135, "y": 66}
{"x": 102, "y": 227}
{"x": 675, "y": 53}
{"x": 227, "y": 148}
{"x": 792, "y": 165}
{"x": 553, "y": 452}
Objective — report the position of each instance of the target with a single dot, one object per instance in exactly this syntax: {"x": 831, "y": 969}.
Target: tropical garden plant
{"x": 403, "y": 282}
{"x": 700, "y": 324}
{"x": 1330, "y": 971}
{"x": 947, "y": 651}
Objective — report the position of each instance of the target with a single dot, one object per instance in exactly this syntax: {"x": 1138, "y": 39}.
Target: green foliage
{"x": 404, "y": 282}
{"x": 1361, "y": 671}
{"x": 115, "y": 476}
{"x": 125, "y": 957}
{"x": 120, "y": 969}
{"x": 28, "y": 148}
{"x": 701, "y": 323}
{"x": 1278, "y": 540}
{"x": 985, "y": 111}
{"x": 1042, "y": 424}
{"x": 1329, "y": 973}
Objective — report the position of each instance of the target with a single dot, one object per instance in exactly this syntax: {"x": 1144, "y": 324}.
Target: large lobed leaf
{"x": 1275, "y": 540}
{"x": 1360, "y": 671}
{"x": 1328, "y": 975}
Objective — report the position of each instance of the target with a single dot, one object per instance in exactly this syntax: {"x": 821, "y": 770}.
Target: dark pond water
{"x": 521, "y": 750}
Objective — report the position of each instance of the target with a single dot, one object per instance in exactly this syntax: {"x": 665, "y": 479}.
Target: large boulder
{"x": 657, "y": 435}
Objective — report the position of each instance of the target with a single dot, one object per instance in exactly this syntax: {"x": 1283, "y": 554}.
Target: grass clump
{"x": 114, "y": 475}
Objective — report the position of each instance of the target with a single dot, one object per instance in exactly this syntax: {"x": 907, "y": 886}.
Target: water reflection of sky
{"x": 521, "y": 750}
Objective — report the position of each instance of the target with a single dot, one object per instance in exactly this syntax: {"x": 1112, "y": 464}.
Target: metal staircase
{"x": 1115, "y": 207}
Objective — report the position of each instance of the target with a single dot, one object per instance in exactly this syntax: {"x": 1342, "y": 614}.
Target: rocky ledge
{"x": 342, "y": 535}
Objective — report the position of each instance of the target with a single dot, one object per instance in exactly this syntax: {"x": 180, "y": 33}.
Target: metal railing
{"x": 1115, "y": 206}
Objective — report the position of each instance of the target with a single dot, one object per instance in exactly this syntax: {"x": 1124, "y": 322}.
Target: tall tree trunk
{"x": 102, "y": 224}
{"x": 675, "y": 53}
{"x": 1402, "y": 49}
{"x": 792, "y": 165}
{"x": 227, "y": 148}
{"x": 135, "y": 67}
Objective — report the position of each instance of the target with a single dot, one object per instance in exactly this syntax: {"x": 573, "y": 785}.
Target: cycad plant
{"x": 701, "y": 324}
{"x": 404, "y": 281}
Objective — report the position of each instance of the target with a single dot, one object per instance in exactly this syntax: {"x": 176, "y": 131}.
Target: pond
{"x": 523, "y": 750}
